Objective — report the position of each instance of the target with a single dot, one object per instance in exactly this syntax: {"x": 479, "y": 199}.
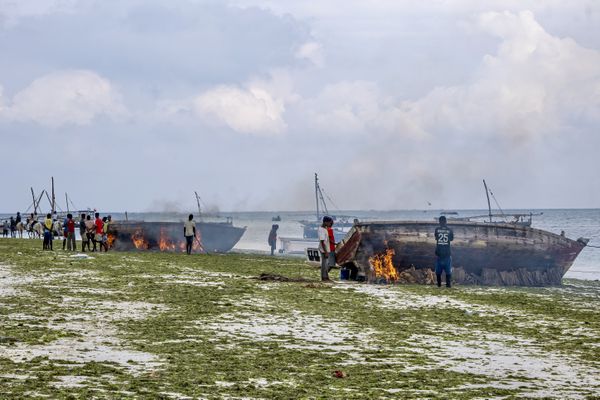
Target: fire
{"x": 111, "y": 239}
{"x": 138, "y": 240}
{"x": 164, "y": 243}
{"x": 383, "y": 266}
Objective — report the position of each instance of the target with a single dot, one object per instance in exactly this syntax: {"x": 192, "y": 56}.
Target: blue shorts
{"x": 443, "y": 264}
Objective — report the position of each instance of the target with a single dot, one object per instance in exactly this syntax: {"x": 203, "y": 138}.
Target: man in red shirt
{"x": 99, "y": 231}
{"x": 70, "y": 233}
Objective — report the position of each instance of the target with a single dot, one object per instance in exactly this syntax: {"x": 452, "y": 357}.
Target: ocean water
{"x": 575, "y": 222}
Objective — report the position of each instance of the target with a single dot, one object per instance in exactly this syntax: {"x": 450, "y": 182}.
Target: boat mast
{"x": 34, "y": 202}
{"x": 317, "y": 195}
{"x": 198, "y": 202}
{"x": 488, "y": 200}
{"x": 53, "y": 198}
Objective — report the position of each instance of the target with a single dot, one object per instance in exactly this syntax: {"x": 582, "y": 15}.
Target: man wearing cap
{"x": 443, "y": 237}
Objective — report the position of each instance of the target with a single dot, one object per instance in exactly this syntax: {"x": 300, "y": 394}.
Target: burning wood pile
{"x": 384, "y": 271}
{"x": 158, "y": 236}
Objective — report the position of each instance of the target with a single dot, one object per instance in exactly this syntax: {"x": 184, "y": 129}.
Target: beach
{"x": 167, "y": 325}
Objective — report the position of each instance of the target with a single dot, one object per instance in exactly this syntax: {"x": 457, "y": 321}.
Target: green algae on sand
{"x": 164, "y": 325}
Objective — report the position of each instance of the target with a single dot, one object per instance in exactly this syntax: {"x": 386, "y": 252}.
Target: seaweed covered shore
{"x": 156, "y": 325}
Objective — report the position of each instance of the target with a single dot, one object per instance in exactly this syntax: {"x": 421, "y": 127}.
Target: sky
{"x": 134, "y": 105}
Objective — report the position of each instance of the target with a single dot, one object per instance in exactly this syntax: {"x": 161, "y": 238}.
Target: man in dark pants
{"x": 83, "y": 233}
{"x": 326, "y": 247}
{"x": 272, "y": 239}
{"x": 443, "y": 237}
{"x": 189, "y": 231}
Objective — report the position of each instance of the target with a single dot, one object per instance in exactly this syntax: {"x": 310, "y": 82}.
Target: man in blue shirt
{"x": 443, "y": 237}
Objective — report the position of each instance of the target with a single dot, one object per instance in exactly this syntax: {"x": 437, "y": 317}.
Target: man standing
{"x": 189, "y": 231}
{"x": 48, "y": 223}
{"x": 272, "y": 240}
{"x": 65, "y": 231}
{"x": 90, "y": 228}
{"x": 82, "y": 232}
{"x": 443, "y": 237}
{"x": 326, "y": 247}
{"x": 70, "y": 233}
{"x": 99, "y": 231}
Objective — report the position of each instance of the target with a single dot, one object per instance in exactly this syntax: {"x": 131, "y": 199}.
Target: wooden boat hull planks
{"x": 482, "y": 253}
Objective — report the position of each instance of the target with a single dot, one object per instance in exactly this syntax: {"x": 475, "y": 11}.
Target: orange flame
{"x": 383, "y": 266}
{"x": 138, "y": 240}
{"x": 110, "y": 239}
{"x": 164, "y": 243}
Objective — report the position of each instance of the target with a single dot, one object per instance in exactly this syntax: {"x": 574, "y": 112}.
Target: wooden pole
{"x": 487, "y": 193}
{"x": 53, "y": 198}
{"x": 34, "y": 202}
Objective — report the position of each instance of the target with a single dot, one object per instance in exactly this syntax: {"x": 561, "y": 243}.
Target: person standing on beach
{"x": 83, "y": 233}
{"x": 90, "y": 228}
{"x": 273, "y": 238}
{"x": 189, "y": 231}
{"x": 5, "y": 229}
{"x": 65, "y": 231}
{"x": 104, "y": 234}
{"x": 48, "y": 223}
{"x": 13, "y": 227}
{"x": 70, "y": 233}
{"x": 443, "y": 237}
{"x": 98, "y": 231}
{"x": 326, "y": 247}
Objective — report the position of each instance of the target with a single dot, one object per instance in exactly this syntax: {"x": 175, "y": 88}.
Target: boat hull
{"x": 168, "y": 236}
{"x": 482, "y": 253}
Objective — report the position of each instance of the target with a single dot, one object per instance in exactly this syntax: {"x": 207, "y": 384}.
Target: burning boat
{"x": 484, "y": 253}
{"x": 213, "y": 237}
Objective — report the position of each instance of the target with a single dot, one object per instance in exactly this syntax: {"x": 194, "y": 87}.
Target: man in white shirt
{"x": 189, "y": 231}
{"x": 325, "y": 247}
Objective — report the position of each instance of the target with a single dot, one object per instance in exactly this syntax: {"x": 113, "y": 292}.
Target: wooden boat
{"x": 213, "y": 237}
{"x": 482, "y": 252}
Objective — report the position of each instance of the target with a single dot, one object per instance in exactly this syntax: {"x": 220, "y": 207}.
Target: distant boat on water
{"x": 341, "y": 222}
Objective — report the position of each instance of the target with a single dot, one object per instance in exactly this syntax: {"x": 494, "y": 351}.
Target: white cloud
{"x": 257, "y": 108}
{"x": 66, "y": 97}
{"x": 361, "y": 108}
{"x": 251, "y": 110}
{"x": 311, "y": 51}
{"x": 535, "y": 85}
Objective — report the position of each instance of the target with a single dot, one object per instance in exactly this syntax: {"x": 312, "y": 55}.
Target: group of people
{"x": 13, "y": 226}
{"x": 93, "y": 232}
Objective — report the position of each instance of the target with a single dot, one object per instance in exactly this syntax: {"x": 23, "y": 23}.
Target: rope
{"x": 591, "y": 245}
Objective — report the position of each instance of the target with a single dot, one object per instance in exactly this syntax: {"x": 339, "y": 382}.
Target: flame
{"x": 164, "y": 243}
{"x": 383, "y": 266}
{"x": 138, "y": 240}
{"x": 110, "y": 239}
